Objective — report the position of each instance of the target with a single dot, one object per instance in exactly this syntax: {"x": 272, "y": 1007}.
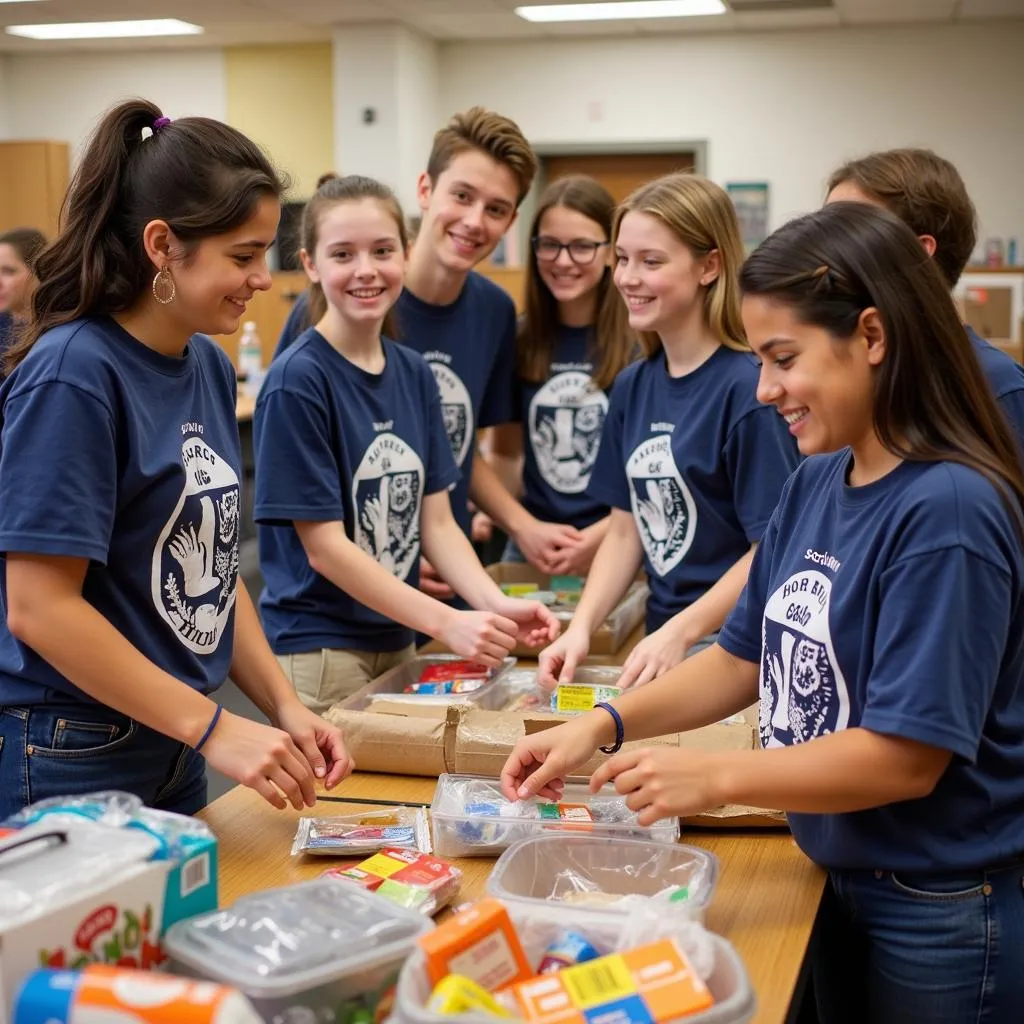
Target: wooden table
{"x": 765, "y": 905}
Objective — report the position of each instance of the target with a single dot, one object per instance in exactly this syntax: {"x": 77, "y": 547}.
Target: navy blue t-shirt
{"x": 115, "y": 453}
{"x": 562, "y": 423}
{"x": 699, "y": 462}
{"x": 1006, "y": 379}
{"x": 896, "y": 606}
{"x": 336, "y": 443}
{"x": 294, "y": 325}
{"x": 470, "y": 346}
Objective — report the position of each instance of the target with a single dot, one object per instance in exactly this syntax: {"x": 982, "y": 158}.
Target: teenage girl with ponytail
{"x": 119, "y": 495}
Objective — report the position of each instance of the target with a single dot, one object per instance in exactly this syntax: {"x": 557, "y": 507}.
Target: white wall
{"x": 62, "y": 96}
{"x": 419, "y": 115}
{"x": 784, "y": 108}
{"x": 393, "y": 71}
{"x": 5, "y": 101}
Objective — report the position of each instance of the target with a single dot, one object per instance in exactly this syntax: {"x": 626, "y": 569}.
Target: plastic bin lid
{"x": 287, "y": 940}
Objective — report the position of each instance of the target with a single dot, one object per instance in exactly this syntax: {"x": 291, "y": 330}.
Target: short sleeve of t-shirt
{"x": 942, "y": 632}
{"x": 59, "y": 466}
{"x": 442, "y": 471}
{"x": 759, "y": 456}
{"x": 498, "y": 405}
{"x": 296, "y": 469}
{"x": 608, "y": 482}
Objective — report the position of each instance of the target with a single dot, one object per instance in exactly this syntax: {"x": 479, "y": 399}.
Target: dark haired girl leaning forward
{"x": 119, "y": 500}
{"x": 882, "y": 622}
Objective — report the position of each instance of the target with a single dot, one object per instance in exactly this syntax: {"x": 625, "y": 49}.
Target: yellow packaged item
{"x": 457, "y": 994}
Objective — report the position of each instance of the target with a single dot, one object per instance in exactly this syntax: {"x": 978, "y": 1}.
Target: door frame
{"x": 600, "y": 147}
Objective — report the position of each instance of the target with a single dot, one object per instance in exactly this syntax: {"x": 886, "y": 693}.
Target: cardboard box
{"x": 610, "y": 636}
{"x": 478, "y": 943}
{"x": 404, "y": 739}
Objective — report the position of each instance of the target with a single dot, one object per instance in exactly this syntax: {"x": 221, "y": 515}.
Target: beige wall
{"x": 281, "y": 96}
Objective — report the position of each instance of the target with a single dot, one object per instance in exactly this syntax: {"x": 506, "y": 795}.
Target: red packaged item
{"x": 445, "y": 671}
{"x": 406, "y": 877}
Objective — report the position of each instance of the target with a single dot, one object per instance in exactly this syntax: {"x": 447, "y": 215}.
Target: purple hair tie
{"x": 160, "y": 122}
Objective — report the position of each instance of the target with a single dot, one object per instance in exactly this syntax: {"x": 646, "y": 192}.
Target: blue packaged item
{"x": 480, "y": 829}
{"x": 567, "y": 950}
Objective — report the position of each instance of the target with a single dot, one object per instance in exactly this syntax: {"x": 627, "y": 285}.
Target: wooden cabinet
{"x": 33, "y": 181}
{"x": 268, "y": 310}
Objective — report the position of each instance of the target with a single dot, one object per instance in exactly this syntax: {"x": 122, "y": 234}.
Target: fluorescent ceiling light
{"x": 107, "y": 29}
{"x": 622, "y": 11}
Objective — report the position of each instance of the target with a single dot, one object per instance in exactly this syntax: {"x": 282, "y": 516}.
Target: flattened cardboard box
{"x": 402, "y": 739}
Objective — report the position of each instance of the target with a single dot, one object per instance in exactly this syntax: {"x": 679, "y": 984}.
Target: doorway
{"x": 620, "y": 173}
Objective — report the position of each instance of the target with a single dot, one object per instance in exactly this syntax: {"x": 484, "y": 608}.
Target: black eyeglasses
{"x": 581, "y": 250}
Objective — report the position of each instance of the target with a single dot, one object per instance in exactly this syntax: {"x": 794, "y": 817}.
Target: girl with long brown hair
{"x": 573, "y": 340}
{"x": 354, "y": 470}
{"x": 882, "y": 627}
{"x": 690, "y": 464}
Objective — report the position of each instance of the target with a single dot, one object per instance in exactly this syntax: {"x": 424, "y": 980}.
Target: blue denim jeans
{"x": 915, "y": 948}
{"x": 72, "y": 748}
{"x": 512, "y": 552}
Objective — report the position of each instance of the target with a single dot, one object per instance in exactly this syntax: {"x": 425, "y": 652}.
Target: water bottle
{"x": 250, "y": 358}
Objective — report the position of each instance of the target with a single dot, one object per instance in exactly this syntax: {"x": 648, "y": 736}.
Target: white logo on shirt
{"x": 456, "y": 408}
{"x": 663, "y": 507}
{"x": 386, "y": 492}
{"x": 565, "y": 421}
{"x": 195, "y": 562}
{"x": 803, "y": 692}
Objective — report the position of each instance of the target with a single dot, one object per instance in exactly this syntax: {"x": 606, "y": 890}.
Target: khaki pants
{"x": 322, "y": 678}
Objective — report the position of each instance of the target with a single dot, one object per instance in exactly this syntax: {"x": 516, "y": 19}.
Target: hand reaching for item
{"x": 663, "y": 782}
{"x": 272, "y": 762}
{"x": 558, "y": 662}
{"x": 536, "y": 625}
{"x": 655, "y": 655}
{"x": 539, "y": 764}
{"x": 486, "y": 637}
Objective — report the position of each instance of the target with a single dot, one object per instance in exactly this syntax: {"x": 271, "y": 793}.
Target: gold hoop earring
{"x": 164, "y": 290}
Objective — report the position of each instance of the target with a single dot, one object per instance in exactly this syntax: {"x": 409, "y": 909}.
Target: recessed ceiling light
{"x": 622, "y": 11}
{"x": 107, "y": 29}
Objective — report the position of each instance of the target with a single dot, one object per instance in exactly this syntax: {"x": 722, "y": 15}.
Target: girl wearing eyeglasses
{"x": 691, "y": 464}
{"x": 573, "y": 340}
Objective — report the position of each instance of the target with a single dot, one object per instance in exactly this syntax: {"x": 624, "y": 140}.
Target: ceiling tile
{"x": 782, "y": 20}
{"x": 990, "y": 9}
{"x": 873, "y": 12}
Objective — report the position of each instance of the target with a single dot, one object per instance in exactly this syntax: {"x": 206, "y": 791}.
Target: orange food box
{"x": 653, "y": 984}
{"x": 481, "y": 944}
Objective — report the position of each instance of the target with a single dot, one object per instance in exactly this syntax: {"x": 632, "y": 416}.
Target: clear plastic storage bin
{"x": 522, "y": 692}
{"x": 318, "y": 950}
{"x": 599, "y": 881}
{"x": 471, "y": 818}
{"x": 390, "y": 686}
{"x": 735, "y": 1002}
